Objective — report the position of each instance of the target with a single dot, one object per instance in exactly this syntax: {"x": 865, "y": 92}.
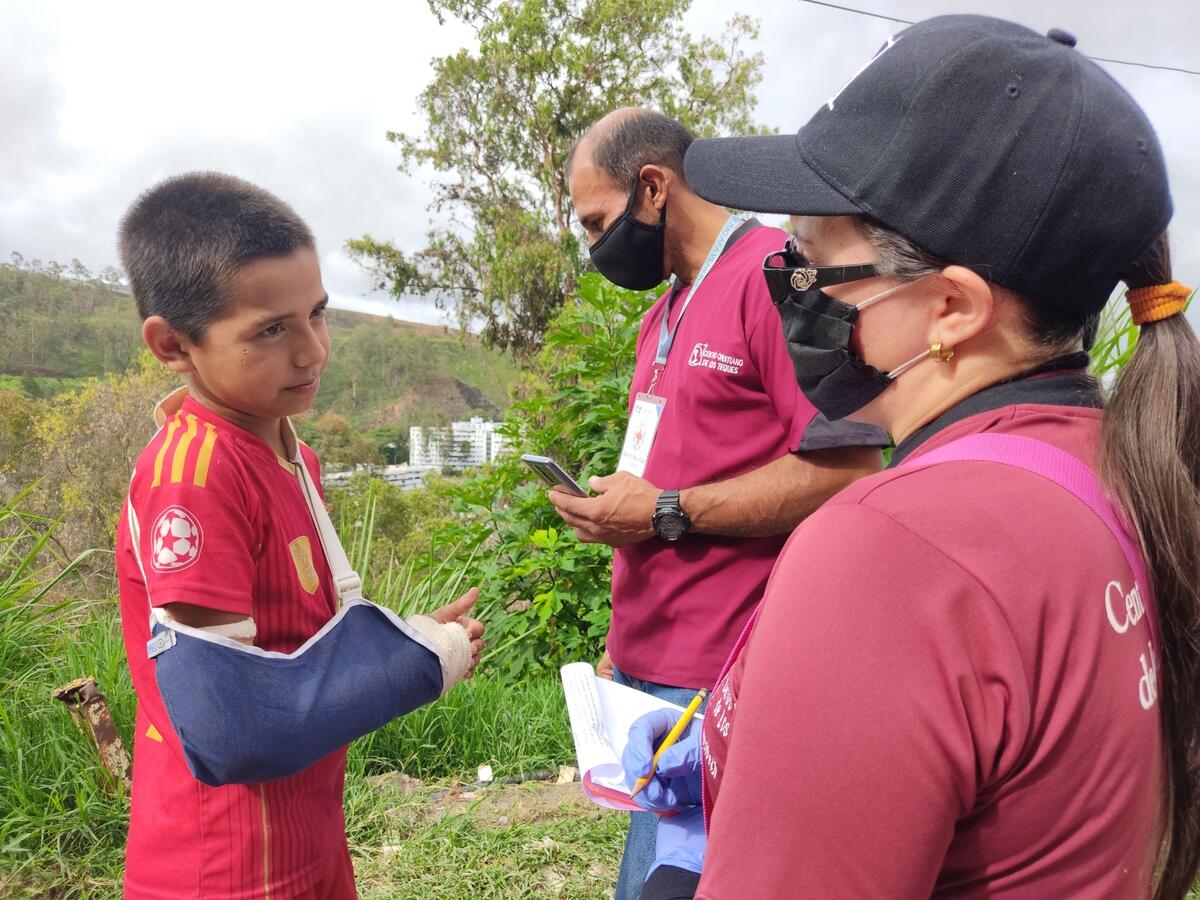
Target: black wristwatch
{"x": 670, "y": 522}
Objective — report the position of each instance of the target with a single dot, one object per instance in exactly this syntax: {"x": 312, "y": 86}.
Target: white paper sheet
{"x": 601, "y": 712}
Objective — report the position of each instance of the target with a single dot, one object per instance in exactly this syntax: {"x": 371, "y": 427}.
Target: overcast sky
{"x": 98, "y": 101}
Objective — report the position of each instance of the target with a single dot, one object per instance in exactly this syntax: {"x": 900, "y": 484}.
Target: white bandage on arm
{"x": 243, "y": 630}
{"x": 451, "y": 643}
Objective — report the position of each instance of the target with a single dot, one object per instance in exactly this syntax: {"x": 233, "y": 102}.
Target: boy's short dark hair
{"x": 184, "y": 239}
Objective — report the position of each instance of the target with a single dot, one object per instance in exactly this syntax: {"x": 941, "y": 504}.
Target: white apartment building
{"x": 461, "y": 445}
{"x": 407, "y": 477}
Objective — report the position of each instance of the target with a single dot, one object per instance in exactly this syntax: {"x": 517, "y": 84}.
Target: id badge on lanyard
{"x": 639, "y": 434}
{"x": 648, "y": 407}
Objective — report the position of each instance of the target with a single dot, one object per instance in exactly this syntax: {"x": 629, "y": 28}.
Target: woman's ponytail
{"x": 1150, "y": 458}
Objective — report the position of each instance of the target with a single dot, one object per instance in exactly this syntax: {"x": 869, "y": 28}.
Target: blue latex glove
{"x": 676, "y": 782}
{"x": 681, "y": 841}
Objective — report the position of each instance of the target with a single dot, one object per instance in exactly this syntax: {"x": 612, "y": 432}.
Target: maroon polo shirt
{"x": 732, "y": 406}
{"x": 941, "y": 695}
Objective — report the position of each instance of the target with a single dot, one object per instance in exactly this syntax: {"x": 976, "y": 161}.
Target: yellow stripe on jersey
{"x": 266, "y": 830}
{"x": 162, "y": 452}
{"x": 153, "y": 733}
{"x": 181, "y": 451}
{"x": 206, "y": 449}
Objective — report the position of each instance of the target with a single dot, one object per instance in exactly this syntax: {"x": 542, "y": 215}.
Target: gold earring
{"x": 940, "y": 354}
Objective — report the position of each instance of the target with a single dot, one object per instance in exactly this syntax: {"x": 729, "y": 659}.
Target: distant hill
{"x": 384, "y": 374}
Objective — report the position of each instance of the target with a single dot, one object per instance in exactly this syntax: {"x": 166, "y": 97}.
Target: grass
{"x": 1116, "y": 339}
{"x": 515, "y": 730}
{"x": 485, "y": 850}
{"x": 62, "y": 835}
{"x": 54, "y": 812}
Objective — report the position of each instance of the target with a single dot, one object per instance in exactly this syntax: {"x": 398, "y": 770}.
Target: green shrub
{"x": 546, "y": 597}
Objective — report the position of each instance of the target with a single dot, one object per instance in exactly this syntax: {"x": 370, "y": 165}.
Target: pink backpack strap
{"x": 738, "y": 645}
{"x": 1038, "y": 458}
{"x": 1057, "y": 466}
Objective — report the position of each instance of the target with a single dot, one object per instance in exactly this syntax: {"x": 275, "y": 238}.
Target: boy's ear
{"x": 166, "y": 345}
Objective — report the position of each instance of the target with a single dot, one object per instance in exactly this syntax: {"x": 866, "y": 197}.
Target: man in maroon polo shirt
{"x": 723, "y": 455}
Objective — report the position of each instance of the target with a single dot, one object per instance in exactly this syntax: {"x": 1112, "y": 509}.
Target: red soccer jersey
{"x": 732, "y": 406}
{"x": 947, "y": 693}
{"x": 224, "y": 525}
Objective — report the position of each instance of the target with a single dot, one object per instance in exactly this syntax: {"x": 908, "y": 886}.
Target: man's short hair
{"x": 184, "y": 239}
{"x": 644, "y": 138}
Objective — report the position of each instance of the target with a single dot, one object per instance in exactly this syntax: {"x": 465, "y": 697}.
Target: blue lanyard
{"x": 667, "y": 337}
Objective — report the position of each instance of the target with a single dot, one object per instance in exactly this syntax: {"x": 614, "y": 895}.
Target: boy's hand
{"x": 456, "y": 612}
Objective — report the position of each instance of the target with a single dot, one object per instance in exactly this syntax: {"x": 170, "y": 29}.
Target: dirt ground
{"x": 492, "y": 805}
{"x": 497, "y": 806}
{"x": 536, "y": 839}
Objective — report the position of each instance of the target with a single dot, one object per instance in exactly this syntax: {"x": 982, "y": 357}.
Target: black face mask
{"x": 630, "y": 253}
{"x": 817, "y": 329}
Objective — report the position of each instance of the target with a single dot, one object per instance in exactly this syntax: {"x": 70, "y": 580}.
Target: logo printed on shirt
{"x": 306, "y": 571}
{"x": 1124, "y": 609}
{"x": 177, "y": 539}
{"x": 709, "y": 760}
{"x": 1148, "y": 683}
{"x": 705, "y": 358}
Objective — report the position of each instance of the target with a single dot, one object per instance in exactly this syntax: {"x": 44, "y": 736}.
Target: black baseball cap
{"x": 982, "y": 142}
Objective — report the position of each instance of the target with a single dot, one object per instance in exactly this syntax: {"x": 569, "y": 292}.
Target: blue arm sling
{"x": 246, "y": 715}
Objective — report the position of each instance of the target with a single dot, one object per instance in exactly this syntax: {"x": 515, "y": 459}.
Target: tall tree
{"x": 339, "y": 446}
{"x": 499, "y": 122}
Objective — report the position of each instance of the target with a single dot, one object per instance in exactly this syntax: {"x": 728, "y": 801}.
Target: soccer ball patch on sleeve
{"x": 177, "y": 540}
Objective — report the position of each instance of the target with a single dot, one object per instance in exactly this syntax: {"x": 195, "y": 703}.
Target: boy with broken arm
{"x": 254, "y": 656}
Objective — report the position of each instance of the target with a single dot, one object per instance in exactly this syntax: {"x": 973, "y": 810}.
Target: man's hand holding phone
{"x": 552, "y": 473}
{"x": 619, "y": 515}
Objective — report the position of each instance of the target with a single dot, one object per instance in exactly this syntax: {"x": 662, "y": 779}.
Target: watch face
{"x": 668, "y": 526}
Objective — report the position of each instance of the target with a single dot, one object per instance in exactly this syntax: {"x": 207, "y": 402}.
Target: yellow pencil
{"x": 671, "y": 738}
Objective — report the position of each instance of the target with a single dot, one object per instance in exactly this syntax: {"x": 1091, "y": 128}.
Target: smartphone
{"x": 552, "y": 473}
